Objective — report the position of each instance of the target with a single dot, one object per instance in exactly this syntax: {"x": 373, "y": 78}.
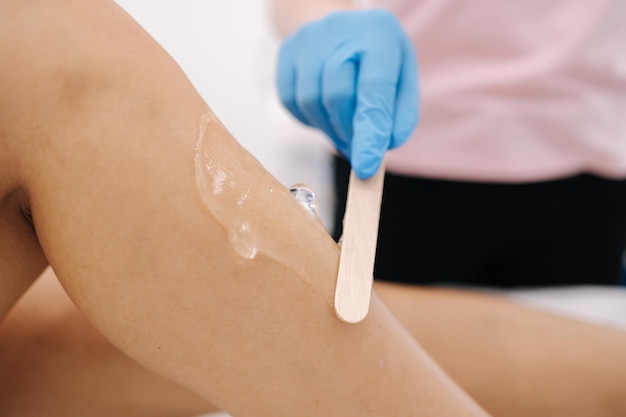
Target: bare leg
{"x": 515, "y": 361}
{"x": 102, "y": 125}
{"x": 54, "y": 363}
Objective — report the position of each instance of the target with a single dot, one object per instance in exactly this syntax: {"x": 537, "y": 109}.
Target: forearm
{"x": 118, "y": 213}
{"x": 288, "y": 15}
{"x": 515, "y": 361}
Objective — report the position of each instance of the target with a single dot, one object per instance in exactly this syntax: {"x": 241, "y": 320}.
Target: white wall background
{"x": 228, "y": 50}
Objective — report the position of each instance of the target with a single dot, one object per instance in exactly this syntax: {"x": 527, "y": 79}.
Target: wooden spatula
{"x": 358, "y": 249}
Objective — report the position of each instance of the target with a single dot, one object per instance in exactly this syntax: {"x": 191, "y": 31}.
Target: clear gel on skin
{"x": 237, "y": 206}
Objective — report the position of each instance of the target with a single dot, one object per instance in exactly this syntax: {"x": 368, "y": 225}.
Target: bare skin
{"x": 98, "y": 127}
{"x": 53, "y": 362}
{"x": 515, "y": 361}
{"x": 288, "y": 16}
{"x": 96, "y": 139}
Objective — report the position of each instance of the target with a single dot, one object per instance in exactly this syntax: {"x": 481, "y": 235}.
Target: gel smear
{"x": 236, "y": 201}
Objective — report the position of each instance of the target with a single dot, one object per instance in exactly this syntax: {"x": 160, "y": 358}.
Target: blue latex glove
{"x": 352, "y": 74}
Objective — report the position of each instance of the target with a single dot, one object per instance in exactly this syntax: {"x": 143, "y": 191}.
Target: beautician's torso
{"x": 535, "y": 90}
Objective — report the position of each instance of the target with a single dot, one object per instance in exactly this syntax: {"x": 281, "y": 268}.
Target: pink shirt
{"x": 516, "y": 90}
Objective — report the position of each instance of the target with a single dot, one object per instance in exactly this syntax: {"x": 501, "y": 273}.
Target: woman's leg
{"x": 54, "y": 363}
{"x": 513, "y": 360}
{"x": 103, "y": 126}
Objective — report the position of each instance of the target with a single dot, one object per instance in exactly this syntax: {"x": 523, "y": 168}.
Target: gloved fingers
{"x": 372, "y": 135}
{"x": 375, "y": 109}
{"x": 407, "y": 100}
{"x": 339, "y": 95}
{"x": 309, "y": 97}
{"x": 286, "y": 76}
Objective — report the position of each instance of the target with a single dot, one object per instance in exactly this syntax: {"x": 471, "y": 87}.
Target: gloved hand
{"x": 352, "y": 74}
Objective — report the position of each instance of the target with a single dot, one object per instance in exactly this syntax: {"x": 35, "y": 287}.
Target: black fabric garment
{"x": 563, "y": 232}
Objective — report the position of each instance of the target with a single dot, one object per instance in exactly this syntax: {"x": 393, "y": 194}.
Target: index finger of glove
{"x": 377, "y": 84}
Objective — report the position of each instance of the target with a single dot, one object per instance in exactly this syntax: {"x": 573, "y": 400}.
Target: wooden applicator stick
{"x": 358, "y": 248}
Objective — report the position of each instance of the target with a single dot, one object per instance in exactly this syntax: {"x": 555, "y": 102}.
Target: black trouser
{"x": 562, "y": 232}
